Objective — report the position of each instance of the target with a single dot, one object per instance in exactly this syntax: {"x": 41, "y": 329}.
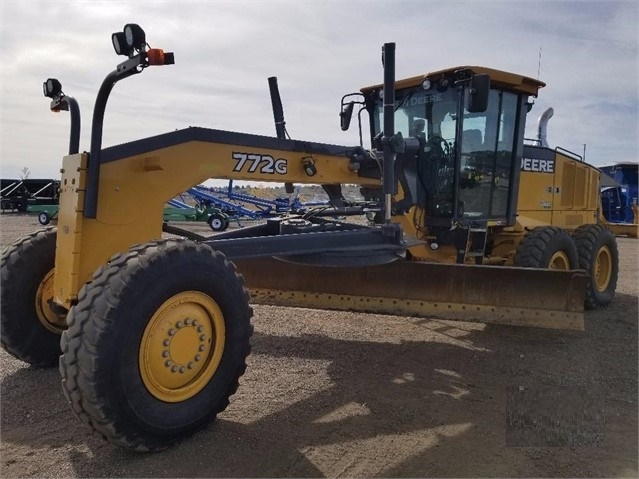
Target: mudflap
{"x": 490, "y": 294}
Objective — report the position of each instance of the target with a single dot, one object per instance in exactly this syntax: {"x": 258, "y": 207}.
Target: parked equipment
{"x": 619, "y": 202}
{"x": 234, "y": 206}
{"x": 21, "y": 195}
{"x": 155, "y": 332}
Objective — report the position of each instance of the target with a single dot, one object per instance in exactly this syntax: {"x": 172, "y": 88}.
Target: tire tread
{"x": 86, "y": 327}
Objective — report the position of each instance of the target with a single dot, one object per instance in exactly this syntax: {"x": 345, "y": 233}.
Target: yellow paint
{"x": 498, "y": 78}
{"x": 182, "y": 346}
{"x": 602, "y": 270}
{"x": 55, "y": 323}
{"x": 133, "y": 191}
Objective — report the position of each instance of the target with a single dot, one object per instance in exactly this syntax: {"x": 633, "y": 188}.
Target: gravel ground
{"x": 341, "y": 394}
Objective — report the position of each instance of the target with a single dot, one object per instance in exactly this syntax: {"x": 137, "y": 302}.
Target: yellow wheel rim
{"x": 51, "y": 320}
{"x": 182, "y": 346}
{"x": 602, "y": 269}
{"x": 559, "y": 261}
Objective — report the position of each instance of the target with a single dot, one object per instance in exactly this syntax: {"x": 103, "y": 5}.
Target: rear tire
{"x": 29, "y": 329}
{"x": 156, "y": 344}
{"x": 598, "y": 255}
{"x": 547, "y": 247}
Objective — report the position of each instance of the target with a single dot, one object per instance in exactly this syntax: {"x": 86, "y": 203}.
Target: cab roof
{"x": 499, "y": 78}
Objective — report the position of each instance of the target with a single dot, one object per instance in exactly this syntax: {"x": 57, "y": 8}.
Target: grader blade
{"x": 489, "y": 294}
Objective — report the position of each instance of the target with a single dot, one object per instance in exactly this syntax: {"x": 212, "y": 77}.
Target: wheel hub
{"x": 602, "y": 270}
{"x": 182, "y": 346}
{"x": 51, "y": 319}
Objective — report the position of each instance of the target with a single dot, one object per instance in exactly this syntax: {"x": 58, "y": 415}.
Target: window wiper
{"x": 406, "y": 98}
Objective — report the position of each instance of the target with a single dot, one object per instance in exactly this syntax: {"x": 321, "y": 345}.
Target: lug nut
{"x": 200, "y": 329}
{"x": 190, "y": 365}
{"x": 174, "y": 369}
{"x": 171, "y": 332}
{"x": 195, "y": 322}
{"x": 182, "y": 369}
{"x": 202, "y": 347}
{"x": 169, "y": 363}
{"x": 165, "y": 354}
{"x": 202, "y": 337}
{"x": 179, "y": 324}
{"x": 198, "y": 357}
{"x": 166, "y": 342}
{"x": 187, "y": 321}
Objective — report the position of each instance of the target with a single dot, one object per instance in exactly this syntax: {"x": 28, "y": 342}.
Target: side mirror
{"x": 345, "y": 116}
{"x": 477, "y": 93}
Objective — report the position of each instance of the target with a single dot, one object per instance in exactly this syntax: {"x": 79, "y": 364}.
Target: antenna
{"x": 539, "y": 64}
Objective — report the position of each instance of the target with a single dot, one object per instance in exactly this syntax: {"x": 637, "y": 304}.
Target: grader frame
{"x": 100, "y": 198}
{"x": 155, "y": 332}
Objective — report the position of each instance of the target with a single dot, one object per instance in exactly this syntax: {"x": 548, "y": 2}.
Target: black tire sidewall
{"x": 119, "y": 348}
{"x": 588, "y": 251}
{"x": 561, "y": 241}
{"x": 539, "y": 246}
{"x": 25, "y": 265}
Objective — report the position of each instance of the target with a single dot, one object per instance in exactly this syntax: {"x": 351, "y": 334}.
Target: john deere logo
{"x": 538, "y": 166}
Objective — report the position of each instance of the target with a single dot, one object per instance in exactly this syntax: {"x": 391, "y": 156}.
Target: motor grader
{"x": 151, "y": 335}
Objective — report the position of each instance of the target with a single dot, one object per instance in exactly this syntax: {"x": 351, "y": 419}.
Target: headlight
{"x": 135, "y": 36}
{"x": 51, "y": 88}
{"x": 119, "y": 44}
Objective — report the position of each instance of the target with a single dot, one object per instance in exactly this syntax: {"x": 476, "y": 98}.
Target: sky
{"x": 319, "y": 50}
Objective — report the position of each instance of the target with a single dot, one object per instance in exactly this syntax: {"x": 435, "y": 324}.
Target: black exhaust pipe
{"x": 278, "y": 111}
{"x": 388, "y": 140}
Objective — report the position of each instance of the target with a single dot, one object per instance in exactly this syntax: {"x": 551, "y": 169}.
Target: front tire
{"x": 598, "y": 255}
{"x": 30, "y": 324}
{"x": 547, "y": 247}
{"x": 156, "y": 344}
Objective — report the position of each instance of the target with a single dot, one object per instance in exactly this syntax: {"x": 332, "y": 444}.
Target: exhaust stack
{"x": 542, "y": 127}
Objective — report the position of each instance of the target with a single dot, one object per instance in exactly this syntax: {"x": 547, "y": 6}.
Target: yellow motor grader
{"x": 152, "y": 334}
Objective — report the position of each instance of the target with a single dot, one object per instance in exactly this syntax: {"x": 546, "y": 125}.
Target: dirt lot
{"x": 339, "y": 394}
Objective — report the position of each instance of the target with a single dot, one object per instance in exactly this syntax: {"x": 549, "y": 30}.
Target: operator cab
{"x": 463, "y": 131}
